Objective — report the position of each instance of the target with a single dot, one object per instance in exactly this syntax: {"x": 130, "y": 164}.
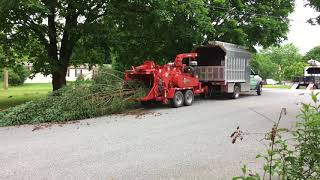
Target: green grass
{"x": 277, "y": 86}
{"x": 17, "y": 95}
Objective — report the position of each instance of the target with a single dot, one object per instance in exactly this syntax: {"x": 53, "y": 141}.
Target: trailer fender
{"x": 171, "y": 92}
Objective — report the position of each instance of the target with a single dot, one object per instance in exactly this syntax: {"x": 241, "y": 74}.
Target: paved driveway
{"x": 185, "y": 143}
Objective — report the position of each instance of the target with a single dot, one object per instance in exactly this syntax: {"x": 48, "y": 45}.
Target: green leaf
{"x": 244, "y": 169}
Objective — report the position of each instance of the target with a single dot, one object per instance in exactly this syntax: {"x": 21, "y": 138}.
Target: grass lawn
{"x": 277, "y": 86}
{"x": 16, "y": 95}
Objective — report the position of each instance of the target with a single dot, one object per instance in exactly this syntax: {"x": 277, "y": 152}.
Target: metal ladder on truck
{"x": 295, "y": 86}
{"x": 311, "y": 86}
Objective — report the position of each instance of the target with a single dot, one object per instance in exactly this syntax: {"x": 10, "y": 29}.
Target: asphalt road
{"x": 186, "y": 143}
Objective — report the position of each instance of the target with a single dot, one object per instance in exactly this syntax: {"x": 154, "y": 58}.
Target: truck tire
{"x": 236, "y": 92}
{"x": 178, "y": 99}
{"x": 259, "y": 90}
{"x": 188, "y": 98}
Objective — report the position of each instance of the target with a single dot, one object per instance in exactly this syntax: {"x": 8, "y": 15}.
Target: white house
{"x": 72, "y": 74}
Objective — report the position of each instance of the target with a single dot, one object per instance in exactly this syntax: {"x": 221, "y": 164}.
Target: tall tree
{"x": 56, "y": 24}
{"x": 250, "y": 23}
{"x": 160, "y": 29}
{"x": 155, "y": 29}
{"x": 126, "y": 32}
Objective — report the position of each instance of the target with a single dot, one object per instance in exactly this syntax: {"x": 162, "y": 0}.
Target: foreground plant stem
{"x": 273, "y": 138}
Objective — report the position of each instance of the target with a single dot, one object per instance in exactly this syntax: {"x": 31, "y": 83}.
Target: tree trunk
{"x": 59, "y": 79}
{"x": 60, "y": 59}
{"x": 5, "y": 79}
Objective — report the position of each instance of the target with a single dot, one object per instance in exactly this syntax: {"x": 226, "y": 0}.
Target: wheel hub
{"x": 179, "y": 99}
{"x": 189, "y": 97}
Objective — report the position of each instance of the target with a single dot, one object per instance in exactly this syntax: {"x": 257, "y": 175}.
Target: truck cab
{"x": 255, "y": 83}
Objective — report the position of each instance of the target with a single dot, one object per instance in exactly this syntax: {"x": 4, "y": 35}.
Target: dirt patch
{"x": 49, "y": 125}
{"x": 137, "y": 113}
{"x": 140, "y": 113}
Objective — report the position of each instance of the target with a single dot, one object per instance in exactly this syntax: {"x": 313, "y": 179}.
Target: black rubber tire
{"x": 188, "y": 98}
{"x": 259, "y": 90}
{"x": 236, "y": 92}
{"x": 178, "y": 99}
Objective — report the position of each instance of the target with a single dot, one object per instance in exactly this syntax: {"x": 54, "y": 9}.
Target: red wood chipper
{"x": 174, "y": 83}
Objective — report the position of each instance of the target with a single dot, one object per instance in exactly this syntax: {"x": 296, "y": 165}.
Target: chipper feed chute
{"x": 146, "y": 75}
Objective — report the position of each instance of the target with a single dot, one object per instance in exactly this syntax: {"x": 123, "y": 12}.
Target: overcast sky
{"x": 302, "y": 34}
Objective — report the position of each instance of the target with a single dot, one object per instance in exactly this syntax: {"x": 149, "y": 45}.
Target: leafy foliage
{"x": 247, "y": 175}
{"x": 263, "y": 65}
{"x": 298, "y": 157}
{"x": 280, "y": 63}
{"x": 314, "y": 54}
{"x": 157, "y": 29}
{"x": 12, "y": 55}
{"x": 107, "y": 94}
{"x": 126, "y": 32}
{"x": 305, "y": 162}
{"x": 315, "y": 4}
{"x": 160, "y": 29}
{"x": 18, "y": 75}
{"x": 250, "y": 23}
{"x": 52, "y": 28}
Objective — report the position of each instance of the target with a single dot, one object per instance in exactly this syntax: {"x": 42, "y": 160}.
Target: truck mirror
{"x": 193, "y": 63}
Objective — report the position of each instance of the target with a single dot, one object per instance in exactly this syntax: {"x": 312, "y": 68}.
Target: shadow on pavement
{"x": 198, "y": 99}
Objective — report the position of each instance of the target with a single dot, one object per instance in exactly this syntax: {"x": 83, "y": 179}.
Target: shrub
{"x": 295, "y": 158}
{"x": 82, "y": 99}
{"x": 18, "y": 75}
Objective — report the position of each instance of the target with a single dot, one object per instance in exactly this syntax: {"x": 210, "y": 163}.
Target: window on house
{"x": 78, "y": 72}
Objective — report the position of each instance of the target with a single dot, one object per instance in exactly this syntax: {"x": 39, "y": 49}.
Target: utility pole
{"x": 5, "y": 79}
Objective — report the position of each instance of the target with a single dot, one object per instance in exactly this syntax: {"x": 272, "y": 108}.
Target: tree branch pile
{"x": 107, "y": 94}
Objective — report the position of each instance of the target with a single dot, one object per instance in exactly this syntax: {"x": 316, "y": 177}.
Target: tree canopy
{"x": 11, "y": 54}
{"x": 64, "y": 32}
{"x": 280, "y": 63}
{"x": 315, "y": 4}
{"x": 161, "y": 29}
{"x": 250, "y": 23}
{"x": 52, "y": 27}
{"x": 314, "y": 54}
